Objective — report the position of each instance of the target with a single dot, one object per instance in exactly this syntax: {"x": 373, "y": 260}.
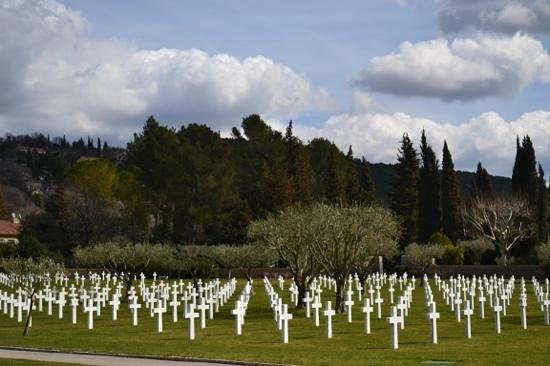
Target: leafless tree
{"x": 504, "y": 221}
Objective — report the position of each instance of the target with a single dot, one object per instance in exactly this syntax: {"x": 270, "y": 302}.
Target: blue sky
{"x": 475, "y": 73}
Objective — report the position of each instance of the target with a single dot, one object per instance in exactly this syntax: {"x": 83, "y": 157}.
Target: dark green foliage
{"x": 451, "y": 205}
{"x": 4, "y": 215}
{"x": 354, "y": 191}
{"x": 328, "y": 163}
{"x": 482, "y": 188}
{"x": 542, "y": 207}
{"x": 30, "y": 247}
{"x": 428, "y": 192}
{"x": 298, "y": 168}
{"x": 524, "y": 175}
{"x": 404, "y": 195}
{"x": 366, "y": 182}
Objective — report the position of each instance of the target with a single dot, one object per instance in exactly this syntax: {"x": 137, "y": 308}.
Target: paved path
{"x": 98, "y": 360}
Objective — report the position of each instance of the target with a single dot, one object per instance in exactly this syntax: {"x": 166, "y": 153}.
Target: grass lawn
{"x": 308, "y": 345}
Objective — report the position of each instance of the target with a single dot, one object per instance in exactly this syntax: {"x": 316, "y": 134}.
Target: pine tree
{"x": 451, "y": 205}
{"x": 366, "y": 182}
{"x": 428, "y": 191}
{"x": 542, "y": 207}
{"x": 4, "y": 215}
{"x": 404, "y": 195}
{"x": 98, "y": 146}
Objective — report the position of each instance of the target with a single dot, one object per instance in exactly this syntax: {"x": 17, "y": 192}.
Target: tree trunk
{"x": 29, "y": 315}
{"x": 339, "y": 305}
{"x": 302, "y": 288}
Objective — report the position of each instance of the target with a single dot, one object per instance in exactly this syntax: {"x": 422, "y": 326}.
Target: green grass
{"x": 308, "y": 345}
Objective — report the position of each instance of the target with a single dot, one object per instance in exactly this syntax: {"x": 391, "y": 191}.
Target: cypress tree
{"x": 367, "y": 185}
{"x": 482, "y": 185}
{"x": 353, "y": 188}
{"x": 428, "y": 191}
{"x": 529, "y": 172}
{"x": 335, "y": 185}
{"x": 450, "y": 198}
{"x": 4, "y": 215}
{"x": 516, "y": 174}
{"x": 542, "y": 207}
{"x": 404, "y": 194}
{"x": 524, "y": 177}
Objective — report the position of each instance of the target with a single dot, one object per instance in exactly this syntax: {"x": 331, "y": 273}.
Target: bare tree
{"x": 504, "y": 221}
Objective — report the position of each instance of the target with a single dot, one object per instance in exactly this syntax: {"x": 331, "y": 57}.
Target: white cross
{"x": 367, "y": 309}
{"x": 457, "y": 302}
{"x": 394, "y": 320}
{"x": 285, "y": 317}
{"x": 433, "y": 315}
{"x": 307, "y": 300}
{"x": 316, "y": 306}
{"x": 159, "y": 310}
{"x": 468, "y": 312}
{"x": 191, "y": 315}
{"x": 523, "y": 310}
{"x": 497, "y": 309}
{"x": 135, "y": 306}
{"x": 239, "y": 315}
{"x": 329, "y": 313}
{"x": 115, "y": 302}
{"x": 90, "y": 309}
{"x": 202, "y": 308}
{"x": 378, "y": 302}
{"x": 349, "y": 304}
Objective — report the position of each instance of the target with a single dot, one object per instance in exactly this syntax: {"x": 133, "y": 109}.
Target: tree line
{"x": 191, "y": 186}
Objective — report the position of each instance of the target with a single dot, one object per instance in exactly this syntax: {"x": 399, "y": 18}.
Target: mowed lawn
{"x": 308, "y": 345}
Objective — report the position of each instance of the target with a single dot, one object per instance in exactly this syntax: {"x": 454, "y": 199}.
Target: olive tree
{"x": 196, "y": 261}
{"x": 347, "y": 238}
{"x": 291, "y": 234}
{"x": 245, "y": 257}
{"x": 504, "y": 221}
{"x": 125, "y": 257}
{"x": 31, "y": 276}
{"x": 422, "y": 256}
{"x": 475, "y": 248}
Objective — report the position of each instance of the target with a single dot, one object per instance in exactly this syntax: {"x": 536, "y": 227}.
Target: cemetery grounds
{"x": 261, "y": 341}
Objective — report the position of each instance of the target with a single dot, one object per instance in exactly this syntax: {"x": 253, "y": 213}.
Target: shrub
{"x": 475, "y": 249}
{"x": 452, "y": 255}
{"x": 440, "y": 238}
{"x": 543, "y": 256}
{"x": 420, "y": 256}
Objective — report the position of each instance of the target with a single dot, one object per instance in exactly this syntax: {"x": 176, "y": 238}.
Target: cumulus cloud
{"x": 488, "y": 137}
{"x": 56, "y": 78}
{"x": 501, "y": 16}
{"x": 464, "y": 69}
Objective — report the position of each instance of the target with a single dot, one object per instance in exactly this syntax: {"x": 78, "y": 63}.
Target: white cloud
{"x": 56, "y": 78}
{"x": 506, "y": 16}
{"x": 487, "y": 137}
{"x": 464, "y": 69}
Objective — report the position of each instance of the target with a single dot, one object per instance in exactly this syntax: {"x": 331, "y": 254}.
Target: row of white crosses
{"x": 211, "y": 297}
{"x": 241, "y": 305}
{"x": 280, "y": 310}
{"x": 542, "y": 298}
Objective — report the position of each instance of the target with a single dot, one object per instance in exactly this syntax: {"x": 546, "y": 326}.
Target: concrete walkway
{"x": 100, "y": 360}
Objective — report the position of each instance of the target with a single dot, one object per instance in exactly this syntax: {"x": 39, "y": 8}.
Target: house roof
{"x": 9, "y": 229}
